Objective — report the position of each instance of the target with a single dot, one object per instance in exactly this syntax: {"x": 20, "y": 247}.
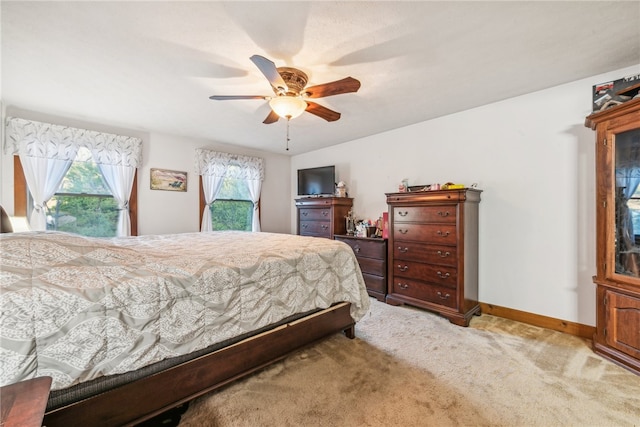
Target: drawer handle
{"x": 402, "y": 285}
{"x": 403, "y": 250}
{"x": 443, "y": 213}
{"x": 443, "y": 276}
{"x": 324, "y": 226}
{"x": 325, "y": 213}
{"x": 403, "y": 230}
{"x": 444, "y": 255}
{"x": 305, "y": 213}
{"x": 304, "y": 225}
{"x": 401, "y": 268}
{"x": 356, "y": 248}
{"x": 401, "y": 213}
{"x": 445, "y": 296}
{"x": 441, "y": 234}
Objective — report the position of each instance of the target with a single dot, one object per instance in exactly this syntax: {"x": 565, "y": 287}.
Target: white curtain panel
{"x": 119, "y": 179}
{"x": 255, "y": 186}
{"x": 43, "y": 176}
{"x": 211, "y": 185}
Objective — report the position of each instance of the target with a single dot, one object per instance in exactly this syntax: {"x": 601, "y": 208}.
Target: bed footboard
{"x": 145, "y": 398}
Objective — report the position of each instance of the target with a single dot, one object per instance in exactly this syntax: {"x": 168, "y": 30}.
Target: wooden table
{"x": 23, "y": 404}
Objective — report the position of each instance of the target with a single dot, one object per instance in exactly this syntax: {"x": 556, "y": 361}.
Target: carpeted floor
{"x": 409, "y": 367}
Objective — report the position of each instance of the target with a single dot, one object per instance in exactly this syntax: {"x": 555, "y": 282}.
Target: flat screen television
{"x": 317, "y": 181}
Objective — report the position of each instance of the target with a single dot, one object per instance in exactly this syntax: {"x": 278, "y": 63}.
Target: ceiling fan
{"x": 291, "y": 94}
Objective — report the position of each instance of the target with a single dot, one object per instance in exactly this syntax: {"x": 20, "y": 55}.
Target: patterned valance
{"x": 37, "y": 139}
{"x": 215, "y": 163}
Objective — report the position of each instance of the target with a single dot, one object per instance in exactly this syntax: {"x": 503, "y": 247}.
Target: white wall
{"x": 172, "y": 212}
{"x": 162, "y": 212}
{"x": 534, "y": 160}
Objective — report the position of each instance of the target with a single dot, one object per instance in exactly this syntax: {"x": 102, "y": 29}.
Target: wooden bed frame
{"x": 145, "y": 398}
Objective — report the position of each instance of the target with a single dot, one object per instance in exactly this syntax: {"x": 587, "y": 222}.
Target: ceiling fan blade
{"x": 227, "y": 97}
{"x": 322, "y": 112}
{"x": 346, "y": 85}
{"x": 268, "y": 68}
{"x": 271, "y": 118}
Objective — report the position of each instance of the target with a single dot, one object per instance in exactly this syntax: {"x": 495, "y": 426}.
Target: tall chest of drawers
{"x": 433, "y": 252}
{"x": 371, "y": 254}
{"x": 323, "y": 216}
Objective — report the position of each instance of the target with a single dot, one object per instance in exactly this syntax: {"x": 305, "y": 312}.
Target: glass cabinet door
{"x": 627, "y": 203}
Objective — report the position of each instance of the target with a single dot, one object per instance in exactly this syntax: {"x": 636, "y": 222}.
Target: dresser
{"x": 617, "y": 278}
{"x": 371, "y": 254}
{"x": 433, "y": 252}
{"x": 323, "y": 216}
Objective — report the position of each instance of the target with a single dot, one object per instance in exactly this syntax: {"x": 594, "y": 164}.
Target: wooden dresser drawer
{"x": 315, "y": 228}
{"x": 423, "y": 291}
{"x": 372, "y": 266}
{"x": 444, "y": 213}
{"x": 375, "y": 283}
{"x": 432, "y": 254}
{"x": 438, "y": 274}
{"x": 426, "y": 233}
{"x": 314, "y": 214}
{"x": 366, "y": 248}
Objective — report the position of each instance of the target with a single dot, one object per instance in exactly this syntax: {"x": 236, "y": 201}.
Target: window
{"x": 229, "y": 190}
{"x": 23, "y": 203}
{"x": 83, "y": 204}
{"x": 233, "y": 208}
{"x": 43, "y": 153}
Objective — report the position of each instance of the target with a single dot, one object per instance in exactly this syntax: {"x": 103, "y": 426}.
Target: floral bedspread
{"x": 77, "y": 308}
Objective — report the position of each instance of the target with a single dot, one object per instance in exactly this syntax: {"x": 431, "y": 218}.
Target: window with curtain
{"x": 228, "y": 182}
{"x": 47, "y": 153}
{"x": 83, "y": 203}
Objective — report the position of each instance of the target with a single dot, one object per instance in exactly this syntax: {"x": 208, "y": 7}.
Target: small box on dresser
{"x": 371, "y": 254}
{"x": 433, "y": 252}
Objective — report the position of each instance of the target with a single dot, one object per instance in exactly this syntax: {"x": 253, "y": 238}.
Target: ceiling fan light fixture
{"x": 288, "y": 107}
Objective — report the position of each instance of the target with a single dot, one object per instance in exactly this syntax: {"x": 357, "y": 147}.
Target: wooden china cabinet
{"x": 617, "y": 276}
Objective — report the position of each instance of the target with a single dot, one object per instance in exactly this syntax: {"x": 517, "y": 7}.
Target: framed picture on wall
{"x": 169, "y": 180}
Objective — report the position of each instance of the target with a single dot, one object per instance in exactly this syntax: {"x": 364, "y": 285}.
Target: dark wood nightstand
{"x": 23, "y": 404}
{"x": 372, "y": 257}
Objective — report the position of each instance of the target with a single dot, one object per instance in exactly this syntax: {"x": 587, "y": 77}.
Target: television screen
{"x": 317, "y": 181}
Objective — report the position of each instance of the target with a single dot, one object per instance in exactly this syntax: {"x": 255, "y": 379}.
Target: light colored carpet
{"x": 409, "y": 367}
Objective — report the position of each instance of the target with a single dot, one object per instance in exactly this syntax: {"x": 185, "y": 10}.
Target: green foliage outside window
{"x": 232, "y": 209}
{"x": 232, "y": 215}
{"x": 95, "y": 216}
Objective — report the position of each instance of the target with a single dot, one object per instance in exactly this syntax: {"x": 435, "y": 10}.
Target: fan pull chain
{"x": 288, "y": 119}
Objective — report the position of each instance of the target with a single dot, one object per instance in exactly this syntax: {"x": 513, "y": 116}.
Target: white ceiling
{"x": 151, "y": 66}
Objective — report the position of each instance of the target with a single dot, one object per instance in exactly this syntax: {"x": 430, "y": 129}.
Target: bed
{"x": 130, "y": 327}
